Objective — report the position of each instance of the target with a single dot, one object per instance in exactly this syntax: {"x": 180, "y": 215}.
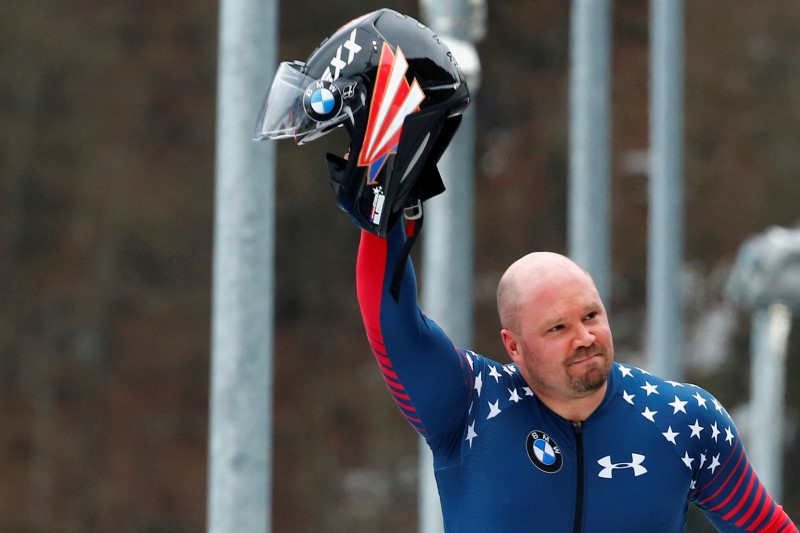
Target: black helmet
{"x": 396, "y": 88}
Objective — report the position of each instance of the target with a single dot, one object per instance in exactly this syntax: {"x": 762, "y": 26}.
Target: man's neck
{"x": 575, "y": 409}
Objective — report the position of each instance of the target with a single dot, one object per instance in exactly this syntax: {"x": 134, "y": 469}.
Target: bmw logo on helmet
{"x": 322, "y": 100}
{"x": 543, "y": 452}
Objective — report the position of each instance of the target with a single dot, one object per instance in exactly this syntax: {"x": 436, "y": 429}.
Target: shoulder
{"x": 496, "y": 385}
{"x": 491, "y": 372}
{"x": 675, "y": 407}
{"x": 667, "y": 394}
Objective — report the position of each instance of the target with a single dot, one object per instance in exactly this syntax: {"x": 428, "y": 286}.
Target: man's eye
{"x": 557, "y": 328}
{"x": 591, "y": 316}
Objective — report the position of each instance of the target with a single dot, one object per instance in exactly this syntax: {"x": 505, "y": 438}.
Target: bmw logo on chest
{"x": 322, "y": 100}
{"x": 543, "y": 452}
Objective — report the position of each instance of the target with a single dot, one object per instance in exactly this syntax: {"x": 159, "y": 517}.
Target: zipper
{"x": 578, "y": 427}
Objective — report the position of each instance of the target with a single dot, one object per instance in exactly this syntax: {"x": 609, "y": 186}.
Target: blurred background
{"x": 106, "y": 214}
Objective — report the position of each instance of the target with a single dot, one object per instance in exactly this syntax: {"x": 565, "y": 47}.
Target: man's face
{"x": 563, "y": 344}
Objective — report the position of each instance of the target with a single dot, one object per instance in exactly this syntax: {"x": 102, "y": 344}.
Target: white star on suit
{"x": 714, "y": 463}
{"x": 479, "y": 383}
{"x": 509, "y": 369}
{"x": 628, "y": 397}
{"x": 678, "y": 405}
{"x": 687, "y": 460}
{"x": 495, "y": 374}
{"x": 717, "y": 404}
{"x": 728, "y": 435}
{"x": 675, "y": 383}
{"x": 696, "y": 429}
{"x": 650, "y": 415}
{"x": 494, "y": 409}
{"x": 528, "y": 391}
{"x": 471, "y": 433}
{"x": 714, "y": 431}
{"x": 670, "y": 435}
{"x": 626, "y": 372}
{"x": 651, "y": 389}
{"x": 702, "y": 460}
{"x": 514, "y": 395}
{"x": 701, "y": 402}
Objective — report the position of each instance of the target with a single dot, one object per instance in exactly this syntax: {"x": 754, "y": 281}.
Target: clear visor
{"x": 298, "y": 104}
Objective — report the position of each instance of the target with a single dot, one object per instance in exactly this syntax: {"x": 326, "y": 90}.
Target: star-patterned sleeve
{"x": 428, "y": 377}
{"x": 725, "y": 486}
{"x": 705, "y": 441}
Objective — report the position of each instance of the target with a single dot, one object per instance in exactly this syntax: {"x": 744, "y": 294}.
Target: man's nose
{"x": 583, "y": 338}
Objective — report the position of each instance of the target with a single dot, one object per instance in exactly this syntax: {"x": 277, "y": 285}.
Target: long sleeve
{"x": 728, "y": 489}
{"x": 427, "y": 376}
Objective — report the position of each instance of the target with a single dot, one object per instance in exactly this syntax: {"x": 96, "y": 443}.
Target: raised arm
{"x": 428, "y": 377}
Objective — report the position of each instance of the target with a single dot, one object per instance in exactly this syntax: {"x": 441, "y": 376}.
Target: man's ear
{"x": 510, "y": 342}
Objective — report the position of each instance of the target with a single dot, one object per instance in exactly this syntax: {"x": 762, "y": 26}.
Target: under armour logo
{"x": 608, "y": 467}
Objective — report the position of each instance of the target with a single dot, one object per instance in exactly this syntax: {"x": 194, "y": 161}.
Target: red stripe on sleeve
{"x": 370, "y": 276}
{"x": 743, "y": 498}
{"x": 370, "y": 272}
{"x": 716, "y": 493}
{"x": 753, "y": 506}
{"x": 760, "y": 518}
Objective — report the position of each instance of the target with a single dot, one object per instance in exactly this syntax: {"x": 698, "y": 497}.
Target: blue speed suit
{"x": 505, "y": 463}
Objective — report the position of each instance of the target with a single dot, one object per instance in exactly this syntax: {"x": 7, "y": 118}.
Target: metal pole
{"x": 665, "y": 242}
{"x": 589, "y": 135}
{"x": 448, "y": 239}
{"x": 769, "y": 337}
{"x": 464, "y": 20}
{"x": 240, "y": 450}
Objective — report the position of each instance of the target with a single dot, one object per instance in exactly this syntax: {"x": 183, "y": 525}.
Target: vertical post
{"x": 448, "y": 240}
{"x": 664, "y": 335}
{"x": 769, "y": 337}
{"x": 241, "y": 360}
{"x": 589, "y": 135}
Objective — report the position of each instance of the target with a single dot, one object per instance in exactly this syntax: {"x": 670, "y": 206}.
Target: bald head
{"x": 529, "y": 274}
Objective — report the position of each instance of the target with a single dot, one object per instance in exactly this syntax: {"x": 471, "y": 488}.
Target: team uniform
{"x": 505, "y": 462}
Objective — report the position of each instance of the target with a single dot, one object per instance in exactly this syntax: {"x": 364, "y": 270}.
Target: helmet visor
{"x": 298, "y": 104}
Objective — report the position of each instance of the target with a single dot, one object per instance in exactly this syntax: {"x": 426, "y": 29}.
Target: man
{"x": 562, "y": 438}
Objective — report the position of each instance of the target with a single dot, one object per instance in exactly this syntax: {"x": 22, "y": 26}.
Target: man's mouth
{"x": 584, "y": 358}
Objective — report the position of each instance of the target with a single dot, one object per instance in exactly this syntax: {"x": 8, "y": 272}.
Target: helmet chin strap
{"x": 413, "y": 217}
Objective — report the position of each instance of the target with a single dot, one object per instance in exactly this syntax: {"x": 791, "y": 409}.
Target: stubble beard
{"x": 592, "y": 379}
{"x": 572, "y": 384}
